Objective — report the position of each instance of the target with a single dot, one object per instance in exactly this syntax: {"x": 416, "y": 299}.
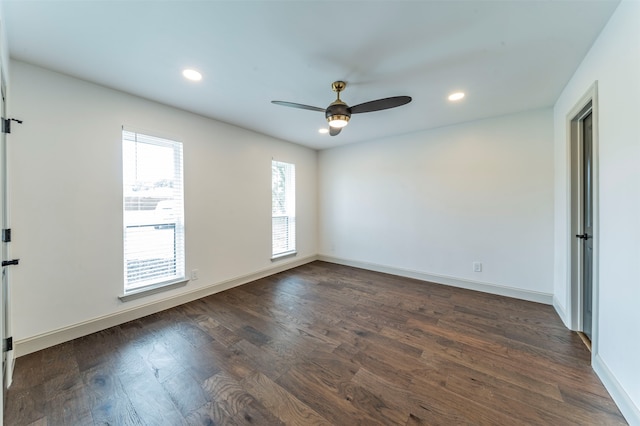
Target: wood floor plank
{"x": 159, "y": 359}
{"x": 288, "y": 314}
{"x": 317, "y": 345}
{"x": 320, "y": 390}
{"x": 96, "y": 348}
{"x": 25, "y": 406}
{"x": 227, "y": 392}
{"x": 186, "y": 393}
{"x": 211, "y": 414}
{"x": 59, "y": 361}
{"x": 30, "y": 373}
{"x": 201, "y": 362}
{"x": 265, "y": 359}
{"x": 489, "y": 363}
{"x": 452, "y": 345}
{"x": 433, "y": 411}
{"x": 234, "y": 399}
{"x": 63, "y": 383}
{"x": 503, "y": 397}
{"x": 193, "y": 334}
{"x": 153, "y": 404}
{"x": 293, "y": 318}
{"x": 284, "y": 405}
{"x": 219, "y": 332}
{"x": 71, "y": 407}
{"x": 40, "y": 422}
{"x": 230, "y": 360}
{"x": 109, "y": 402}
{"x": 440, "y": 403}
{"x": 600, "y": 409}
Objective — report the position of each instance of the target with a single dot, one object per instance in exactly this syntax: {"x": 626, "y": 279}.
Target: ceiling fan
{"x": 339, "y": 113}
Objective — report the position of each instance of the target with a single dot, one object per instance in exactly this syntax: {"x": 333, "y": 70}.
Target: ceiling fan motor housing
{"x": 338, "y": 110}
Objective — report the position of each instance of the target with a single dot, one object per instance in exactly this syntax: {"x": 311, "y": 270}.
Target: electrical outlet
{"x": 477, "y": 266}
{"x": 194, "y": 274}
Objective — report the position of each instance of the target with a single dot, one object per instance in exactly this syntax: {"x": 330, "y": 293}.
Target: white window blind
{"x": 153, "y": 211}
{"x": 283, "y": 208}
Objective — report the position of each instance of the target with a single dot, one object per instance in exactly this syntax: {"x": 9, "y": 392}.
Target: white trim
{"x": 152, "y": 289}
{"x": 574, "y": 308}
{"x": 284, "y": 255}
{"x": 64, "y": 334}
{"x": 152, "y": 133}
{"x": 622, "y": 399}
{"x": 5, "y": 204}
{"x": 561, "y": 313}
{"x": 532, "y": 296}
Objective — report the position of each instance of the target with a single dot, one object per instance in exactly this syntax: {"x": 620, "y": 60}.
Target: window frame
{"x": 289, "y": 213}
{"x": 135, "y": 289}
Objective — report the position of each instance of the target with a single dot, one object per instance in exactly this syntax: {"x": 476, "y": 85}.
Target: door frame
{"x": 7, "y": 357}
{"x": 588, "y": 103}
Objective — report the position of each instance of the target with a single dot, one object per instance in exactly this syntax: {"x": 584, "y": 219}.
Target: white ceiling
{"x": 508, "y": 56}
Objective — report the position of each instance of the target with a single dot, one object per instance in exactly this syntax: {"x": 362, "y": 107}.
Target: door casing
{"x": 588, "y": 103}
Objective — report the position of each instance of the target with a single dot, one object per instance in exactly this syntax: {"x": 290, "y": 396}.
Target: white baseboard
{"x": 629, "y": 410}
{"x": 516, "y": 293}
{"x": 9, "y": 368}
{"x": 561, "y": 313}
{"x": 52, "y": 338}
{"x": 61, "y": 335}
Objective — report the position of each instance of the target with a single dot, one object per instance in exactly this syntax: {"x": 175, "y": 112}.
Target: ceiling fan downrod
{"x": 338, "y": 113}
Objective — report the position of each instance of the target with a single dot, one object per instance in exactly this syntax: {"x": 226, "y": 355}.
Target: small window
{"x": 283, "y": 209}
{"x": 153, "y": 212}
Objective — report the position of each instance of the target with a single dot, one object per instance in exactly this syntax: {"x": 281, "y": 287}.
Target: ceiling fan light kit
{"x": 338, "y": 121}
{"x": 339, "y": 113}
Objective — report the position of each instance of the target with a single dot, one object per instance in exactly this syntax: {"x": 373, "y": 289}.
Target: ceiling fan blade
{"x": 334, "y": 131}
{"x": 300, "y": 106}
{"x": 380, "y": 104}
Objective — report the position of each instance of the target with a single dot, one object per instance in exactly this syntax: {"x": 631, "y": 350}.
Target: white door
{"x": 5, "y": 339}
{"x": 586, "y": 234}
{"x": 3, "y": 245}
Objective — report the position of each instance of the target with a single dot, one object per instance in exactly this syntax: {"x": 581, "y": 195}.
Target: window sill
{"x": 153, "y": 289}
{"x": 283, "y": 255}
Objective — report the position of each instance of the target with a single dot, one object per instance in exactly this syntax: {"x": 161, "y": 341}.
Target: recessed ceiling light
{"x": 323, "y": 131}
{"x": 456, "y": 96}
{"x": 192, "y": 75}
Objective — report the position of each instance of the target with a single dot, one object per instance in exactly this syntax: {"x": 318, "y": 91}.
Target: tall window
{"x": 153, "y": 211}
{"x": 283, "y": 208}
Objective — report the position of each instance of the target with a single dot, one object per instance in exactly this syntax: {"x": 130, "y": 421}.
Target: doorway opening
{"x": 583, "y": 124}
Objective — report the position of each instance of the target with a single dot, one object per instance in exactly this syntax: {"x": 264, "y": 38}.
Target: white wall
{"x": 67, "y": 198}
{"x": 614, "y": 61}
{"x": 4, "y": 43}
{"x": 436, "y": 201}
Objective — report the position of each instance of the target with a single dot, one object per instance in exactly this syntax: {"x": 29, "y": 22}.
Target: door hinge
{"x": 10, "y": 262}
{"x": 7, "y": 344}
{"x": 6, "y": 235}
{"x": 6, "y": 124}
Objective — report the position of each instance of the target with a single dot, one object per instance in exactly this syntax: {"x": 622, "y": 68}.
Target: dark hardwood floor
{"x": 316, "y": 345}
